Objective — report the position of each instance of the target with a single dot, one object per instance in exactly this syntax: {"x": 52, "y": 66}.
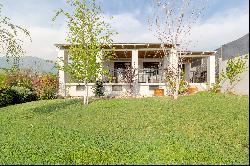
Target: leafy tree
{"x": 11, "y": 44}
{"x": 88, "y": 33}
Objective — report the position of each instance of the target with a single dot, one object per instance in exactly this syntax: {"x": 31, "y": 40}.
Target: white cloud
{"x": 220, "y": 29}
{"x": 43, "y": 40}
{"x": 209, "y": 35}
{"x": 130, "y": 29}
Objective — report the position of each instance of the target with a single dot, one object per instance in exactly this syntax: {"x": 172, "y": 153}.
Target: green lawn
{"x": 204, "y": 128}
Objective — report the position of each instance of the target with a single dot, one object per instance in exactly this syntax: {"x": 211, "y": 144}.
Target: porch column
{"x": 134, "y": 64}
{"x": 170, "y": 62}
{"x": 165, "y": 62}
{"x": 62, "y": 59}
{"x": 173, "y": 59}
{"x": 220, "y": 67}
{"x": 99, "y": 60}
{"x": 187, "y": 72}
{"x": 211, "y": 70}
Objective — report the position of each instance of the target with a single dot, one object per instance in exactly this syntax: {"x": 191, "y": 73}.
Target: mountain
{"x": 37, "y": 64}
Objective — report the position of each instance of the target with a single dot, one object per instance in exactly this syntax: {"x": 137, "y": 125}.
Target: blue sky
{"x": 224, "y": 21}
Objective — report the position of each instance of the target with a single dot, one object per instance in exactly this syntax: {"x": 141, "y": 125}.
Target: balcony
{"x": 143, "y": 76}
{"x": 150, "y": 76}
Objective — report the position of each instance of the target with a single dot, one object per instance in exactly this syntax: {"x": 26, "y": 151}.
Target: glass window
{"x": 116, "y": 87}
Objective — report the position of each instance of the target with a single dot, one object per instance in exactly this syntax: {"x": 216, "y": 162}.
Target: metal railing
{"x": 143, "y": 76}
{"x": 150, "y": 76}
{"x": 200, "y": 74}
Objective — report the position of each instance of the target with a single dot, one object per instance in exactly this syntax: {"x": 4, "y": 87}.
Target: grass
{"x": 205, "y": 128}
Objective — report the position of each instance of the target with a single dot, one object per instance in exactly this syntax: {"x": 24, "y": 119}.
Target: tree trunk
{"x": 177, "y": 86}
{"x": 84, "y": 99}
{"x": 87, "y": 97}
{"x": 85, "y": 94}
{"x": 176, "y": 71}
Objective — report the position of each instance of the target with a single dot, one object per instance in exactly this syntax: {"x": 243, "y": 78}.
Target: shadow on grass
{"x": 51, "y": 107}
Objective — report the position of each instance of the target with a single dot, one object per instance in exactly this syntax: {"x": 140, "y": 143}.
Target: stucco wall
{"x": 231, "y": 50}
{"x": 142, "y": 89}
{"x": 242, "y": 87}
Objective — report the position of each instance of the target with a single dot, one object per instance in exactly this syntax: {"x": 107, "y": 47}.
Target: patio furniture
{"x": 159, "y": 92}
{"x": 192, "y": 89}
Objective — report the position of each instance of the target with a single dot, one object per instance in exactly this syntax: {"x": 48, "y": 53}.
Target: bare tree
{"x": 129, "y": 76}
{"x": 172, "y": 22}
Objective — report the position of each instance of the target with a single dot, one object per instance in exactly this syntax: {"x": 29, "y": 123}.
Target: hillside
{"x": 204, "y": 128}
{"x": 38, "y": 64}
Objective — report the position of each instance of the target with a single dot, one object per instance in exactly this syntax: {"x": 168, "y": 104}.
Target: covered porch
{"x": 148, "y": 61}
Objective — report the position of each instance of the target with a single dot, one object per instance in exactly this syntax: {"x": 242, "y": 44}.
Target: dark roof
{"x": 232, "y": 49}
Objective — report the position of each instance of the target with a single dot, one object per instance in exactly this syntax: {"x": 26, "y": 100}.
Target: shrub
{"x": 20, "y": 86}
{"x": 22, "y": 94}
{"x": 234, "y": 68}
{"x": 21, "y": 78}
{"x": 3, "y": 78}
{"x": 99, "y": 89}
{"x": 15, "y": 95}
{"x": 183, "y": 86}
{"x": 7, "y": 96}
{"x": 217, "y": 86}
{"x": 46, "y": 86}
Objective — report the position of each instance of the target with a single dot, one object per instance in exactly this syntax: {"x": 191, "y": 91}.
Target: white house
{"x": 148, "y": 59}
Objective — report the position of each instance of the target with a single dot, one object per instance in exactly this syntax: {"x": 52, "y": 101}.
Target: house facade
{"x": 149, "y": 61}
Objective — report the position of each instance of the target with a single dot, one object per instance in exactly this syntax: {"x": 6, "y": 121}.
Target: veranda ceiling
{"x": 146, "y": 50}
